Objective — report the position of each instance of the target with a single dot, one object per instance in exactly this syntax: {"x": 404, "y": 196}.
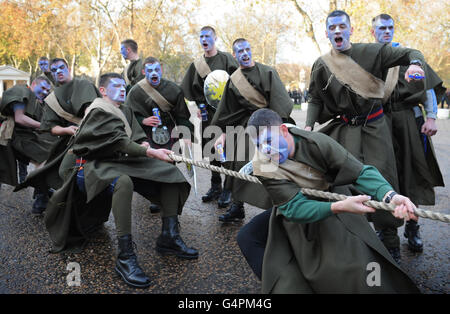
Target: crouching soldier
{"x": 313, "y": 246}
{"x": 109, "y": 160}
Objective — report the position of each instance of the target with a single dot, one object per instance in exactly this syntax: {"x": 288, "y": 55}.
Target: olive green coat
{"x": 418, "y": 170}
{"x": 134, "y": 73}
{"x": 28, "y": 144}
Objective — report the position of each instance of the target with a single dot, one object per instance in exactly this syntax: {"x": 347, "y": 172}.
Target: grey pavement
{"x": 26, "y": 266}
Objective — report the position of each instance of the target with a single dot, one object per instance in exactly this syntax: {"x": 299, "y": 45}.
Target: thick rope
{"x": 316, "y": 193}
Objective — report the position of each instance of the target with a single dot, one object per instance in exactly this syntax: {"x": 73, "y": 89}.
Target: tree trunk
{"x": 309, "y": 28}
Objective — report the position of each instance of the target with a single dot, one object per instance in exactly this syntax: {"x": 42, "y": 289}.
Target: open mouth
{"x": 338, "y": 40}
{"x": 154, "y": 79}
{"x": 205, "y": 45}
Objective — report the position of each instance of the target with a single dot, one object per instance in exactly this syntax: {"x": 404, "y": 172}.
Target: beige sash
{"x": 299, "y": 173}
{"x": 110, "y": 108}
{"x": 53, "y": 103}
{"x": 202, "y": 67}
{"x": 391, "y": 82}
{"x": 247, "y": 90}
{"x": 353, "y": 76}
{"x": 155, "y": 95}
{"x": 6, "y": 130}
{"x": 125, "y": 74}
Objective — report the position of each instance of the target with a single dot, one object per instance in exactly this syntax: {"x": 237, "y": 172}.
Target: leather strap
{"x": 202, "y": 67}
{"x": 53, "y": 103}
{"x": 247, "y": 90}
{"x": 110, "y": 108}
{"x": 155, "y": 95}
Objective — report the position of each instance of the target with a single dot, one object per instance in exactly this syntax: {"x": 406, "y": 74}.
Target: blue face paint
{"x": 273, "y": 146}
{"x": 384, "y": 31}
{"x": 123, "y": 51}
{"x": 153, "y": 73}
{"x": 338, "y": 32}
{"x": 60, "y": 72}
{"x": 243, "y": 53}
{"x": 43, "y": 65}
{"x": 207, "y": 39}
{"x": 41, "y": 90}
{"x": 116, "y": 90}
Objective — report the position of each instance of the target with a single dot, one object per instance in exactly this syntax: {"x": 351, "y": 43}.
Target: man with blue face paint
{"x": 152, "y": 93}
{"x": 417, "y": 166}
{"x": 251, "y": 87}
{"x": 44, "y": 69}
{"x": 24, "y": 106}
{"x": 347, "y": 87}
{"x": 304, "y": 245}
{"x": 193, "y": 87}
{"x": 133, "y": 72}
{"x": 63, "y": 111}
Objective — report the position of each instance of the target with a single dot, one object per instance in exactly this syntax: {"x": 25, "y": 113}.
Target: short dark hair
{"x": 41, "y": 78}
{"x": 207, "y": 27}
{"x": 337, "y": 13}
{"x": 130, "y": 43}
{"x": 382, "y": 16}
{"x": 264, "y": 118}
{"x": 105, "y": 78}
{"x": 54, "y": 60}
{"x": 237, "y": 41}
{"x": 43, "y": 58}
{"x": 150, "y": 60}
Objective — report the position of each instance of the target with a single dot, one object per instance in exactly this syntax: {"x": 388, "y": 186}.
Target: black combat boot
{"x": 412, "y": 233}
{"x": 40, "y": 203}
{"x": 23, "y": 171}
{"x": 170, "y": 242}
{"x": 224, "y": 199}
{"x": 213, "y": 193}
{"x": 154, "y": 209}
{"x": 235, "y": 213}
{"x": 395, "y": 253}
{"x": 127, "y": 266}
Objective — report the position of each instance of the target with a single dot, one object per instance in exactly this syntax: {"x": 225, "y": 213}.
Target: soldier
{"x": 109, "y": 159}
{"x": 346, "y": 87}
{"x": 317, "y": 246}
{"x": 252, "y": 86}
{"x": 24, "y": 107}
{"x": 417, "y": 167}
{"x": 156, "y": 93}
{"x": 133, "y": 71}
{"x": 193, "y": 88}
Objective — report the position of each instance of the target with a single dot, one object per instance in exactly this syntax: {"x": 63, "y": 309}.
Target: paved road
{"x": 26, "y": 266}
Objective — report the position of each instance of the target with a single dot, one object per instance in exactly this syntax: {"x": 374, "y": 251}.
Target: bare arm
{"x": 22, "y": 119}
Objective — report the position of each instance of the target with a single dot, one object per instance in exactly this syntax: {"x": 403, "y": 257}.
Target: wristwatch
{"x": 416, "y": 62}
{"x": 388, "y": 198}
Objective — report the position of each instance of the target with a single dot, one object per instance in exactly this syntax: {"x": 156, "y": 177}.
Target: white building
{"x": 10, "y": 76}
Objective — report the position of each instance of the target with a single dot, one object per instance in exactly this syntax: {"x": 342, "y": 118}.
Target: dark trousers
{"x": 252, "y": 240}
